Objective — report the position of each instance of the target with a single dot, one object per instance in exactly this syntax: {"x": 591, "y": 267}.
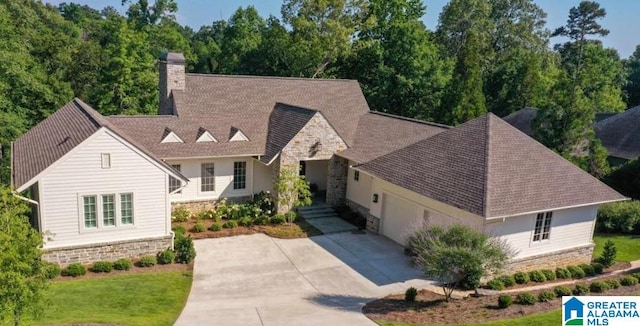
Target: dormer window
{"x": 170, "y": 137}
{"x": 205, "y": 136}
{"x": 237, "y": 135}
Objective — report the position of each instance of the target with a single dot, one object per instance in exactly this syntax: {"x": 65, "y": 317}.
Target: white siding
{"x": 316, "y": 172}
{"x": 359, "y": 191}
{"x": 80, "y": 173}
{"x": 262, "y": 177}
{"x": 569, "y": 228}
{"x": 223, "y": 170}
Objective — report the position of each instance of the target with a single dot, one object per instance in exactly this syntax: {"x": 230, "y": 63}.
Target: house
{"x": 620, "y": 134}
{"x": 230, "y": 136}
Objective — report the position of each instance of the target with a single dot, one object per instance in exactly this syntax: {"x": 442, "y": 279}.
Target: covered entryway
{"x": 399, "y": 218}
{"x": 315, "y": 172}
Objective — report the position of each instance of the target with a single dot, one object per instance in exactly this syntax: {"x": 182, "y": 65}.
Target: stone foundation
{"x": 373, "y": 223}
{"x": 573, "y": 256}
{"x": 108, "y": 251}
{"x": 199, "y": 205}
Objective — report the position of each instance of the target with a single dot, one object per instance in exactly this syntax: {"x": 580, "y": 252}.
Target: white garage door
{"x": 399, "y": 218}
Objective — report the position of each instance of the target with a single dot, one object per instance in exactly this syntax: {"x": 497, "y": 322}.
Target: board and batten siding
{"x": 359, "y": 191}
{"x": 80, "y": 173}
{"x": 572, "y": 227}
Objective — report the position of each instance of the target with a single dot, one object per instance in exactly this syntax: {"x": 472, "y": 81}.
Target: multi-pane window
{"x": 174, "y": 183}
{"x": 239, "y": 175}
{"x": 89, "y": 211}
{"x": 108, "y": 210}
{"x": 126, "y": 208}
{"x": 356, "y": 175}
{"x": 542, "y": 227}
{"x": 207, "y": 177}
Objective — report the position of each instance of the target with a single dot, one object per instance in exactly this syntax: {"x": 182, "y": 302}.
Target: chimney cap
{"x": 170, "y": 57}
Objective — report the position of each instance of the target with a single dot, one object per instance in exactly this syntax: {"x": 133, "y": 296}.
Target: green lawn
{"x": 133, "y": 299}
{"x": 547, "y": 318}
{"x": 628, "y": 246}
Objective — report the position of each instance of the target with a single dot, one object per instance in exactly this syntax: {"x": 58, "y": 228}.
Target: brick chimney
{"x": 172, "y": 77}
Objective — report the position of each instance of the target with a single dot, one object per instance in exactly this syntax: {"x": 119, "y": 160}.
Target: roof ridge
{"x": 140, "y": 116}
{"x": 399, "y": 117}
{"x": 280, "y": 104}
{"x": 270, "y": 77}
{"x": 487, "y": 162}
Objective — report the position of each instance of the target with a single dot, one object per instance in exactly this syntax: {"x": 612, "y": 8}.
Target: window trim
{"x": 132, "y": 209}
{"x": 99, "y": 212}
{"x": 542, "y": 227}
{"x": 211, "y": 177}
{"x": 83, "y": 217}
{"x": 236, "y": 182}
{"x": 105, "y": 160}
{"x": 102, "y": 206}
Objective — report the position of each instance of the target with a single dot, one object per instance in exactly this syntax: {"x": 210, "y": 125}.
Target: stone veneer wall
{"x": 373, "y": 223}
{"x": 199, "y": 205}
{"x": 337, "y": 181}
{"x": 108, "y": 251}
{"x": 573, "y": 256}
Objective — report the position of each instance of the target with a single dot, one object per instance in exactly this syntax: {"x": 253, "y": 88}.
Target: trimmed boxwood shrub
{"x": 278, "y": 219}
{"x": 122, "y": 264}
{"x": 179, "y": 230}
{"x": 545, "y": 296}
{"x": 166, "y": 257}
{"x": 576, "y": 272}
{"x": 562, "y": 291}
{"x": 199, "y": 227}
{"x": 471, "y": 281}
{"x": 230, "y": 224}
{"x": 526, "y": 298}
{"x": 549, "y": 274}
{"x": 628, "y": 281}
{"x": 597, "y": 268}
{"x": 185, "y": 252}
{"x": 411, "y": 294}
{"x": 636, "y": 275}
{"x": 51, "y": 270}
{"x": 262, "y": 220}
{"x": 102, "y": 267}
{"x": 246, "y": 221}
{"x": 495, "y": 285}
{"x": 613, "y": 283}
{"x": 291, "y": 216}
{"x": 537, "y": 276}
{"x": 580, "y": 289}
{"x": 507, "y": 280}
{"x": 588, "y": 270}
{"x": 74, "y": 270}
{"x": 562, "y": 273}
{"x": 598, "y": 287}
{"x": 215, "y": 227}
{"x": 504, "y": 301}
{"x": 147, "y": 261}
{"x": 521, "y": 277}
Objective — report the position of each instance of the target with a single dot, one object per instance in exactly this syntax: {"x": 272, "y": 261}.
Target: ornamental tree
{"x": 292, "y": 190}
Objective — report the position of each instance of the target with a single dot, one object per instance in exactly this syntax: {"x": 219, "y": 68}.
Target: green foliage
{"x": 588, "y": 269}
{"x": 51, "y": 270}
{"x": 545, "y": 296}
{"x": 230, "y": 224}
{"x": 632, "y": 88}
{"x": 580, "y": 289}
{"x": 122, "y": 264}
{"x": 199, "y": 227}
{"x": 628, "y": 281}
{"x": 102, "y": 267}
{"x": 526, "y": 298}
{"x": 293, "y": 190}
{"x": 246, "y": 221}
{"x": 636, "y": 275}
{"x": 562, "y": 291}
{"x": 179, "y": 230}
{"x": 74, "y": 270}
{"x": 613, "y": 283}
{"x": 576, "y": 272}
{"x": 181, "y": 214}
{"x": 166, "y": 257}
{"x": 278, "y": 219}
{"x": 147, "y": 261}
{"x": 207, "y": 214}
{"x": 504, "y": 301}
{"x": 496, "y": 285}
{"x": 599, "y": 287}
{"x": 507, "y": 280}
{"x": 185, "y": 252}
{"x": 598, "y": 268}
{"x": 215, "y": 227}
{"x": 549, "y": 274}
{"x": 609, "y": 254}
{"x": 262, "y": 220}
{"x": 291, "y": 216}
{"x": 537, "y": 276}
{"x": 411, "y": 294}
{"x": 456, "y": 254}
{"x": 264, "y": 201}
{"x": 626, "y": 180}
{"x": 563, "y": 273}
{"x": 621, "y": 217}
{"x": 521, "y": 277}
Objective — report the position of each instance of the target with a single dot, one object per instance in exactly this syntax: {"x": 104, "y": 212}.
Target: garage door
{"x": 399, "y": 218}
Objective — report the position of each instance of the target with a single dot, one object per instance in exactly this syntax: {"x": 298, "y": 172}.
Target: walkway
{"x": 324, "y": 218}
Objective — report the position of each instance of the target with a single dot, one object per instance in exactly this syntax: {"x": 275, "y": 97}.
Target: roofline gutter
{"x": 503, "y": 217}
{"x": 208, "y": 157}
{"x": 182, "y": 186}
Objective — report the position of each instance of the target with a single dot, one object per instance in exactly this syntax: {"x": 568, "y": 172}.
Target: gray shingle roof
{"x": 55, "y": 136}
{"x": 620, "y": 134}
{"x": 489, "y": 168}
{"x": 284, "y": 123}
{"x": 522, "y": 120}
{"x": 379, "y": 134}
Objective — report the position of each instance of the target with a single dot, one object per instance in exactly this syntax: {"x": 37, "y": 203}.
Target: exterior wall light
{"x": 375, "y": 198}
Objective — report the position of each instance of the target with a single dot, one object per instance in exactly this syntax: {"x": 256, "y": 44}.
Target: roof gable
{"x": 237, "y": 135}
{"x": 205, "y": 136}
{"x": 522, "y": 120}
{"x": 170, "y": 137}
{"x": 285, "y": 122}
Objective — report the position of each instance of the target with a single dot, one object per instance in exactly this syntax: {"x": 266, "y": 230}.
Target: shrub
{"x": 545, "y": 296}
{"x": 199, "y": 227}
{"x": 521, "y": 277}
{"x": 245, "y": 221}
{"x": 215, "y": 227}
{"x": 74, "y": 270}
{"x": 51, "y": 270}
{"x": 549, "y": 274}
{"x": 291, "y": 216}
{"x": 636, "y": 275}
{"x": 562, "y": 273}
{"x": 411, "y": 294}
{"x": 507, "y": 280}
{"x": 580, "y": 289}
{"x": 621, "y": 217}
{"x": 526, "y": 298}
{"x": 576, "y": 272}
{"x": 609, "y": 253}
{"x": 613, "y": 283}
{"x": 207, "y": 214}
{"x": 122, "y": 264}
{"x": 598, "y": 287}
{"x": 537, "y": 276}
{"x": 180, "y": 214}
{"x": 265, "y": 202}
{"x": 262, "y": 220}
{"x": 598, "y": 268}
{"x": 278, "y": 219}
{"x": 102, "y": 267}
{"x": 230, "y": 224}
{"x": 471, "y": 281}
{"x": 628, "y": 281}
{"x": 495, "y": 285}
{"x": 185, "y": 252}
{"x": 504, "y": 301}
{"x": 179, "y": 230}
{"x": 166, "y": 257}
{"x": 588, "y": 270}
{"x": 562, "y": 291}
{"x": 147, "y": 261}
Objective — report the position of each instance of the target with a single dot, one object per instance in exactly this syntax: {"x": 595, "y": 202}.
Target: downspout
{"x": 173, "y": 234}
{"x": 15, "y": 194}
{"x": 253, "y": 177}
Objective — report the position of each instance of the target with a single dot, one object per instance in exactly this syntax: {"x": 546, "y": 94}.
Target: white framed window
{"x": 240, "y": 175}
{"x": 109, "y": 210}
{"x": 106, "y": 160}
{"x": 356, "y": 175}
{"x": 126, "y": 208}
{"x": 174, "y": 183}
{"x": 89, "y": 212}
{"x": 542, "y": 228}
{"x": 207, "y": 177}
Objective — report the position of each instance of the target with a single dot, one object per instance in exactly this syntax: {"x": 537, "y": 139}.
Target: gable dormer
{"x": 237, "y": 135}
{"x": 204, "y": 136}
{"x": 170, "y": 137}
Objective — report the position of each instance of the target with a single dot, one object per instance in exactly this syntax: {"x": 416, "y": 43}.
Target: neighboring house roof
{"x": 620, "y": 134}
{"x": 489, "y": 168}
{"x": 604, "y": 115}
{"x": 522, "y": 120}
{"x": 284, "y": 123}
{"x": 379, "y": 134}
{"x": 58, "y": 134}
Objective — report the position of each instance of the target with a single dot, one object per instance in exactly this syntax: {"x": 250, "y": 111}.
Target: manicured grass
{"x": 133, "y": 299}
{"x": 628, "y": 246}
{"x": 546, "y": 318}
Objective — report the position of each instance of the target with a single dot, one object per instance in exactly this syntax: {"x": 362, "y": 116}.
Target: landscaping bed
{"x": 298, "y": 229}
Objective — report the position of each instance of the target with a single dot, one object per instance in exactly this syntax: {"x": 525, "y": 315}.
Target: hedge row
{"x": 539, "y": 276}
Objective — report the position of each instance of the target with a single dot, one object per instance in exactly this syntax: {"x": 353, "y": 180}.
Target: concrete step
{"x": 315, "y": 216}
{"x": 316, "y": 211}
{"x": 332, "y": 225}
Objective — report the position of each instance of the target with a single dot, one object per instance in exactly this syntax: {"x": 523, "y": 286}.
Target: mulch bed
{"x": 430, "y": 308}
{"x": 278, "y": 231}
{"x": 133, "y": 270}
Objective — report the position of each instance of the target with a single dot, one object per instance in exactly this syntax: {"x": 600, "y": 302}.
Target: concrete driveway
{"x": 323, "y": 280}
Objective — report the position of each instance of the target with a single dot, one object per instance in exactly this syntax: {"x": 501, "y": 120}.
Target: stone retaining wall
{"x": 373, "y": 223}
{"x": 199, "y": 205}
{"x": 108, "y": 251}
{"x": 573, "y": 256}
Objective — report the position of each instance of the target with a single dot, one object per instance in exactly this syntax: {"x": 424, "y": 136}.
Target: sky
{"x": 622, "y": 19}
